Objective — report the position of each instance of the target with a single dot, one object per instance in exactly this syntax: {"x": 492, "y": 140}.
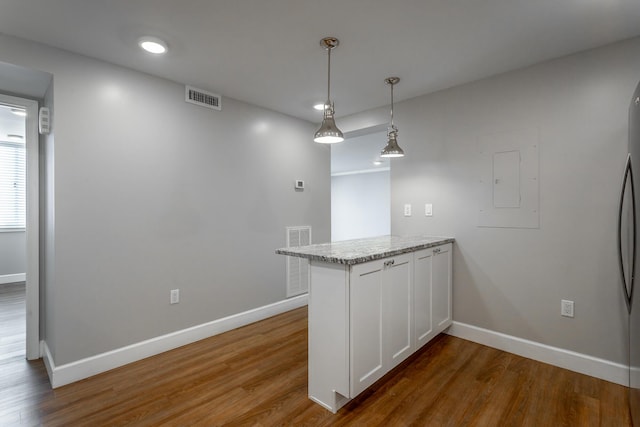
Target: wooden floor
{"x": 12, "y": 321}
{"x": 23, "y": 384}
{"x": 256, "y": 376}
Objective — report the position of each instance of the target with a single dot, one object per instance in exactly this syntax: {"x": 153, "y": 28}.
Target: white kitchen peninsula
{"x": 372, "y": 303}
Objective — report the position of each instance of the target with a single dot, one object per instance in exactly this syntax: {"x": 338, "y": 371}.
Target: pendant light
{"x": 328, "y": 132}
{"x": 392, "y": 149}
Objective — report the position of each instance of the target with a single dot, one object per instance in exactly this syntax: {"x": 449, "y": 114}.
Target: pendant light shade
{"x": 392, "y": 148}
{"x": 328, "y": 133}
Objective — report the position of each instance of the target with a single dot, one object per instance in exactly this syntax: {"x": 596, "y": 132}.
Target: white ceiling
{"x": 266, "y": 52}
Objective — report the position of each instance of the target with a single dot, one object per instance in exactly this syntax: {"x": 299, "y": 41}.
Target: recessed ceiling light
{"x": 319, "y": 107}
{"x": 19, "y": 112}
{"x": 377, "y": 162}
{"x": 153, "y": 45}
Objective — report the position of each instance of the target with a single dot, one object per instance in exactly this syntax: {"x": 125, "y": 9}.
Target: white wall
{"x": 147, "y": 193}
{"x": 512, "y": 280}
{"x": 360, "y": 205}
{"x": 13, "y": 250}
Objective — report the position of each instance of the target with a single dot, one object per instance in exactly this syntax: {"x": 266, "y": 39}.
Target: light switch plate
{"x": 428, "y": 209}
{"x": 175, "y": 296}
{"x": 407, "y": 210}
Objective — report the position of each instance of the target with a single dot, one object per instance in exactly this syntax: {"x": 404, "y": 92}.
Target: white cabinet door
{"x": 398, "y": 309}
{"x": 442, "y": 316}
{"x": 432, "y": 292}
{"x": 422, "y": 293}
{"x": 366, "y": 330}
{"x": 381, "y": 301}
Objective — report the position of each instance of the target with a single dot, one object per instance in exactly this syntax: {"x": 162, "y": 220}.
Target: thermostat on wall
{"x": 299, "y": 184}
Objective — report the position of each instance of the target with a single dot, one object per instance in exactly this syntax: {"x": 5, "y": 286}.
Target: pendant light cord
{"x": 392, "y": 126}
{"x": 328, "y": 106}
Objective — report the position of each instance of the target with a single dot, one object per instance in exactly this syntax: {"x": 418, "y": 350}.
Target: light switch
{"x": 175, "y": 296}
{"x": 407, "y": 210}
{"x": 428, "y": 209}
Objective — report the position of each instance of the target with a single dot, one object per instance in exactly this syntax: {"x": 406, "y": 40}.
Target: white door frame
{"x": 33, "y": 223}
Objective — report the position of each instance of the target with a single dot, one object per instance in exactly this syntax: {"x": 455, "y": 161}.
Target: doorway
{"x": 360, "y": 187}
{"x": 19, "y": 213}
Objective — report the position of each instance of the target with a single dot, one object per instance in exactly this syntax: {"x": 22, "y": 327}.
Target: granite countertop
{"x": 357, "y": 251}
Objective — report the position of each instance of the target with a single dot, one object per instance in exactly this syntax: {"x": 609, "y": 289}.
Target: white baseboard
{"x": 577, "y": 362}
{"x": 13, "y": 278}
{"x": 84, "y": 368}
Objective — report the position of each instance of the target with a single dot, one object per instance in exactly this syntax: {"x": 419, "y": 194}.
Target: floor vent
{"x": 297, "y": 268}
{"x": 202, "y": 98}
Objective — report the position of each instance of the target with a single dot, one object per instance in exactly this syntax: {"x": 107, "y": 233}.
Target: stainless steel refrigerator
{"x": 628, "y": 251}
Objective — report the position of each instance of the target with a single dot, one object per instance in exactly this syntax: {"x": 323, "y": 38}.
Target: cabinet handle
{"x": 389, "y": 263}
{"x": 436, "y": 251}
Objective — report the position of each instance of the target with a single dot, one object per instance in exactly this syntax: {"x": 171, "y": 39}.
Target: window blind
{"x": 12, "y": 185}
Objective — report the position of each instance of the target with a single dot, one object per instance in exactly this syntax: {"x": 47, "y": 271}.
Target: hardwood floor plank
{"x": 613, "y": 405}
{"x": 257, "y": 376}
{"x": 480, "y": 384}
{"x": 432, "y": 391}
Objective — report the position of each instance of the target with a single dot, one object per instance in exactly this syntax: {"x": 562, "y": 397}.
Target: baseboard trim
{"x": 84, "y": 368}
{"x": 577, "y": 362}
{"x": 13, "y": 278}
{"x": 48, "y": 360}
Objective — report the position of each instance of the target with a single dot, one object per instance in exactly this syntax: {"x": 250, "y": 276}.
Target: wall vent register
{"x": 297, "y": 268}
{"x": 202, "y": 98}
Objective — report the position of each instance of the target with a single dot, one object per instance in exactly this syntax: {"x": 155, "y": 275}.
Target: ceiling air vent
{"x": 202, "y": 98}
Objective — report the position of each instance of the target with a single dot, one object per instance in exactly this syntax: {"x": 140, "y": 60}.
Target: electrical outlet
{"x": 407, "y": 210}
{"x": 175, "y": 296}
{"x": 566, "y": 308}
